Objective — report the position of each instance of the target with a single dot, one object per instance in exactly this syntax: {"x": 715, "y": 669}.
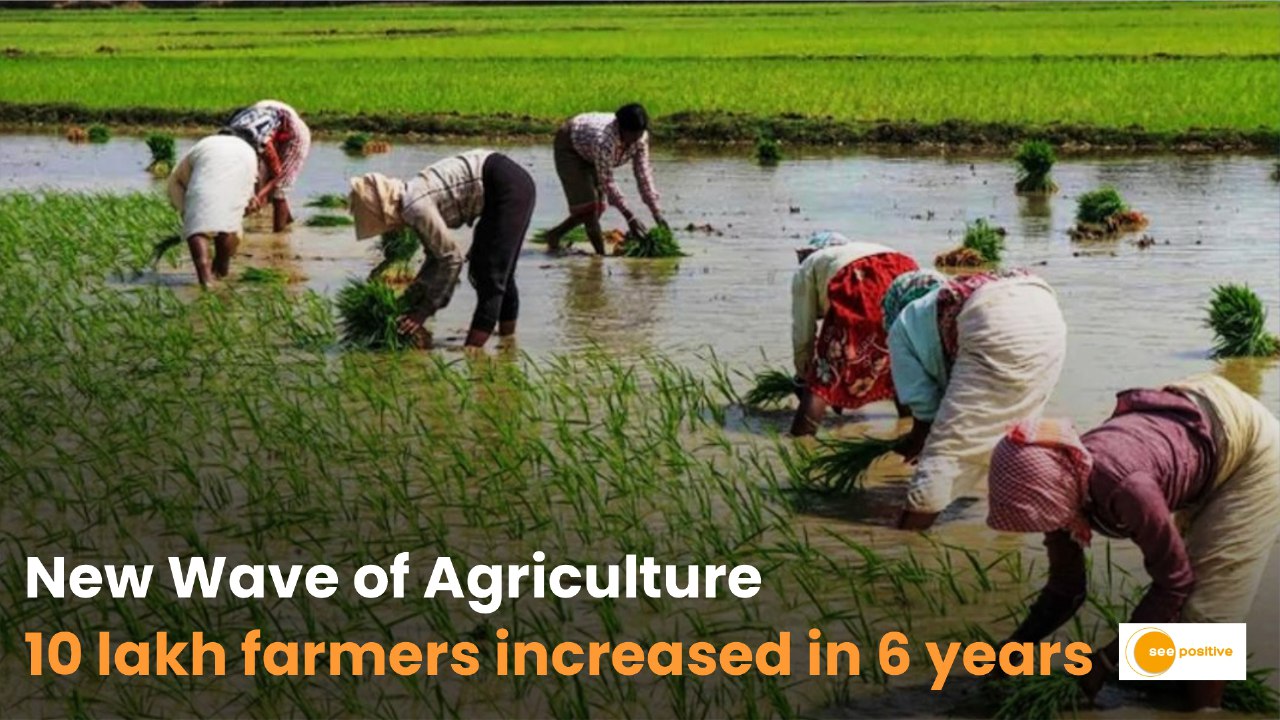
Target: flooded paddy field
{"x": 1134, "y": 316}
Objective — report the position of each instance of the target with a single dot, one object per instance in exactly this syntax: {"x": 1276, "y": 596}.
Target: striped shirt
{"x": 597, "y": 139}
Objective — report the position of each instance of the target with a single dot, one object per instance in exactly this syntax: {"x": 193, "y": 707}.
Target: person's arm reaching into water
{"x": 604, "y": 153}
{"x": 804, "y": 318}
{"x": 642, "y": 165}
{"x": 436, "y": 281}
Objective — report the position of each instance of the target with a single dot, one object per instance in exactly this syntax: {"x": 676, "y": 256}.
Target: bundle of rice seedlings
{"x": 99, "y": 134}
{"x": 1103, "y": 213}
{"x": 164, "y": 154}
{"x": 576, "y": 235}
{"x": 771, "y": 388}
{"x": 328, "y": 201}
{"x": 77, "y": 134}
{"x": 267, "y": 276}
{"x": 1036, "y": 697}
{"x": 368, "y": 311}
{"x": 659, "y": 242}
{"x": 1035, "y": 158}
{"x": 355, "y": 143}
{"x": 768, "y": 149}
{"x": 840, "y": 466}
{"x": 1252, "y": 695}
{"x": 328, "y": 221}
{"x": 985, "y": 239}
{"x": 398, "y": 248}
{"x": 1239, "y": 323}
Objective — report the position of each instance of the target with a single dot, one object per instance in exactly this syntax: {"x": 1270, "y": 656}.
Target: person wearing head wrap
{"x": 1190, "y": 473}
{"x": 969, "y": 356}
{"x": 478, "y": 187}
{"x": 840, "y": 285}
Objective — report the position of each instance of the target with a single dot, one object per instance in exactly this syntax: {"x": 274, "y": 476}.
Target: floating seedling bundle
{"x": 1035, "y": 158}
{"x": 983, "y": 245}
{"x": 840, "y": 466}
{"x": 1239, "y": 323}
{"x": 164, "y": 154}
{"x": 1102, "y": 213}
{"x": 328, "y": 220}
{"x": 771, "y": 388}
{"x": 328, "y": 201}
{"x": 99, "y": 134}
{"x": 659, "y": 242}
{"x": 264, "y": 276}
{"x": 368, "y": 311}
{"x": 363, "y": 144}
{"x": 768, "y": 149}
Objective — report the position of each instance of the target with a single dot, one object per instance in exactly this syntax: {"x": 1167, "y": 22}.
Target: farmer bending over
{"x": 479, "y": 186}
{"x": 841, "y": 284}
{"x": 282, "y": 140}
{"x": 969, "y": 356}
{"x": 587, "y": 149}
{"x": 1199, "y": 448}
{"x": 211, "y": 188}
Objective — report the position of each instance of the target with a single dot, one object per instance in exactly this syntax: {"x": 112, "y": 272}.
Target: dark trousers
{"x": 509, "y": 195}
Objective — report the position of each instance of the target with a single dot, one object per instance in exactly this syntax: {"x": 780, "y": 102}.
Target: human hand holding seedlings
{"x": 636, "y": 227}
{"x": 411, "y": 323}
{"x": 911, "y": 446}
{"x": 661, "y": 221}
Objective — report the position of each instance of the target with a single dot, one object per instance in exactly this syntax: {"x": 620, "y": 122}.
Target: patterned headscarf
{"x": 1039, "y": 480}
{"x": 825, "y": 239}
{"x": 905, "y": 289}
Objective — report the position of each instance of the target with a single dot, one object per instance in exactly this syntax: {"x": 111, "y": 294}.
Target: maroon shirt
{"x": 1154, "y": 456}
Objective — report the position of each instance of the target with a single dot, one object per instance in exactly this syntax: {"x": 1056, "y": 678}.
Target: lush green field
{"x": 1163, "y": 68}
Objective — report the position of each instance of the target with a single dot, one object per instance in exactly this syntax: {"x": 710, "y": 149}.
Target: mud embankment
{"x": 705, "y": 128}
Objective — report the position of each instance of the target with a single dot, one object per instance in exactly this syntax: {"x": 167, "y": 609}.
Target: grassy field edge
{"x": 709, "y": 128}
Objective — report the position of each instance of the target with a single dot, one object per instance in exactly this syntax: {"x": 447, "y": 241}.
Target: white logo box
{"x": 1202, "y": 651}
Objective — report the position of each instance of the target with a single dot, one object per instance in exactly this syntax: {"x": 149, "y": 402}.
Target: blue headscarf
{"x": 906, "y": 289}
{"x": 825, "y": 239}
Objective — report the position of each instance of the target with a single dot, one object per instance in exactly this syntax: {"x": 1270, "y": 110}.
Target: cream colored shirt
{"x": 809, "y": 294}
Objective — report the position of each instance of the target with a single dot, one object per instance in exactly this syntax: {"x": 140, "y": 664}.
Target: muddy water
{"x": 1134, "y": 314}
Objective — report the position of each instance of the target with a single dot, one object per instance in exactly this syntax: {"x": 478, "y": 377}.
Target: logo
{"x": 1183, "y": 651}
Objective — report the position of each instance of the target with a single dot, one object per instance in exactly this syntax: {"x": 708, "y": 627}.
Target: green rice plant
{"x": 659, "y": 242}
{"x": 840, "y": 465}
{"x": 1035, "y": 158}
{"x": 355, "y": 143}
{"x": 329, "y": 220}
{"x": 368, "y": 311}
{"x": 985, "y": 239}
{"x": 99, "y": 133}
{"x": 1036, "y": 697}
{"x": 398, "y": 248}
{"x": 1253, "y": 695}
{"x": 269, "y": 276}
{"x": 768, "y": 149}
{"x": 164, "y": 150}
{"x": 162, "y": 247}
{"x": 1098, "y": 206}
{"x": 1239, "y": 323}
{"x": 328, "y": 201}
{"x": 576, "y": 235}
{"x": 770, "y": 388}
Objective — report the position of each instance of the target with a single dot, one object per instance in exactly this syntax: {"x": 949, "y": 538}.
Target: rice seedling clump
{"x": 268, "y": 276}
{"x": 1253, "y": 695}
{"x": 768, "y": 149}
{"x": 398, "y": 248}
{"x": 770, "y": 388}
{"x": 99, "y": 134}
{"x": 840, "y": 465}
{"x": 355, "y": 143}
{"x": 1103, "y": 213}
{"x": 1239, "y": 323}
{"x": 368, "y": 311}
{"x": 659, "y": 242}
{"x": 328, "y": 201}
{"x": 983, "y": 245}
{"x": 576, "y": 235}
{"x": 329, "y": 220}
{"x": 1035, "y": 158}
{"x": 164, "y": 154}
{"x": 1036, "y": 697}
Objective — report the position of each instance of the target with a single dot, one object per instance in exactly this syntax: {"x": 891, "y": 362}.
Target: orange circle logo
{"x": 1150, "y": 652}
